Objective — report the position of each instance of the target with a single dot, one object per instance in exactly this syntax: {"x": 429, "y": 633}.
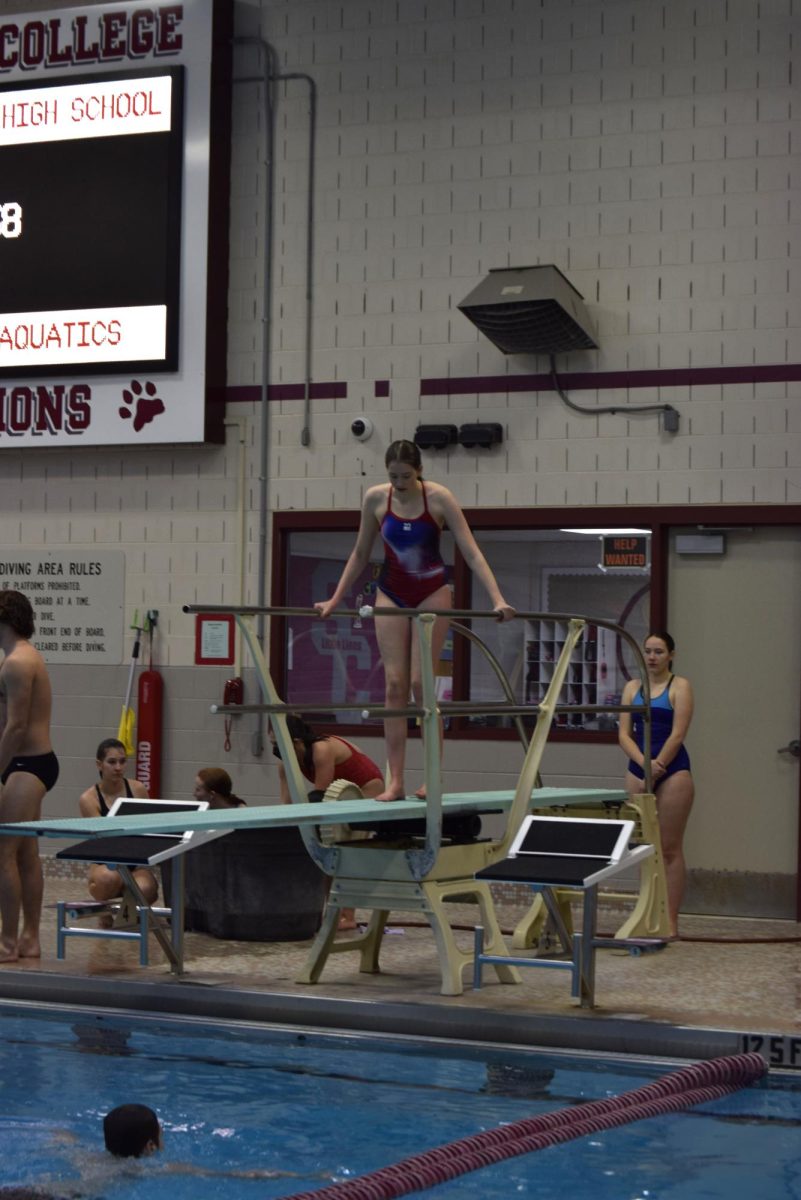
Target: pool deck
{"x": 695, "y": 998}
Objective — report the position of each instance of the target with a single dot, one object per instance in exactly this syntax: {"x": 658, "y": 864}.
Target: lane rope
{"x": 696, "y": 1084}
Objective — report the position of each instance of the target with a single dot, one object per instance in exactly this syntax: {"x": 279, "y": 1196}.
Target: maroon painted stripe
{"x": 251, "y": 393}
{"x": 604, "y": 380}
{"x": 576, "y": 381}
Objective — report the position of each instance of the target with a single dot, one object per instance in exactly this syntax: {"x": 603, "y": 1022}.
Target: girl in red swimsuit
{"x": 409, "y": 516}
{"x": 322, "y": 759}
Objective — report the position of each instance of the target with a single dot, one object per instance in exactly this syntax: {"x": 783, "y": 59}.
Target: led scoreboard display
{"x": 115, "y": 139}
{"x": 90, "y": 223}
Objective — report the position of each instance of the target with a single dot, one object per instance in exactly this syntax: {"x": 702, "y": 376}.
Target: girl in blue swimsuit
{"x": 671, "y": 713}
{"x": 409, "y": 515}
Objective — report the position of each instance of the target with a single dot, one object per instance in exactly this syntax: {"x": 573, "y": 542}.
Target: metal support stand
{"x": 580, "y": 946}
{"x": 167, "y": 924}
{"x": 551, "y": 853}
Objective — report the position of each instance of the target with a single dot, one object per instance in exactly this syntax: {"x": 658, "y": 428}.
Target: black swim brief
{"x": 43, "y": 766}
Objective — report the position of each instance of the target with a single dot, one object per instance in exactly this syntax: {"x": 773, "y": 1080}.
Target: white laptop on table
{"x": 569, "y": 851}
{"x": 174, "y": 841}
{"x": 133, "y": 806}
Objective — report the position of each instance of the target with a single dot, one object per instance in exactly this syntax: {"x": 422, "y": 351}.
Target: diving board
{"x": 422, "y": 873}
{"x": 411, "y": 873}
{"x": 647, "y": 918}
{"x": 417, "y": 870}
{"x": 274, "y": 816}
{"x": 97, "y": 831}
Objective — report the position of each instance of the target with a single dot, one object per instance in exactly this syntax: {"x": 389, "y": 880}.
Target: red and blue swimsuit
{"x": 413, "y": 567}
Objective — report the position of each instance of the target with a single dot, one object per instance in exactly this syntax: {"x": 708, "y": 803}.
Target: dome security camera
{"x": 361, "y": 428}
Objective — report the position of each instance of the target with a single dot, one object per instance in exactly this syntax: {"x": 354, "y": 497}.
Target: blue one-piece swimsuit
{"x": 661, "y": 729}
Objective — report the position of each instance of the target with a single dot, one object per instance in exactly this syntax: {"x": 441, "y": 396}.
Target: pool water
{"x": 318, "y": 1108}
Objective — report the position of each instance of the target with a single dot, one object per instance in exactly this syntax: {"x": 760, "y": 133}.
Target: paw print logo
{"x": 141, "y": 403}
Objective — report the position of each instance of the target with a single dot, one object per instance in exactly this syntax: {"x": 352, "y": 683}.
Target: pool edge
{"x": 175, "y": 997}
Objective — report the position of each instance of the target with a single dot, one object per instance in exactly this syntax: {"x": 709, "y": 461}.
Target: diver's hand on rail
{"x": 324, "y": 607}
{"x": 505, "y": 611}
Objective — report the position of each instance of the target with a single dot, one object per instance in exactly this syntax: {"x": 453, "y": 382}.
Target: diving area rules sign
{"x": 77, "y": 599}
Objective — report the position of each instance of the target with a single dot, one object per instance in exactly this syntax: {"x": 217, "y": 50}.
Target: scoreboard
{"x": 90, "y": 223}
{"x": 115, "y": 128}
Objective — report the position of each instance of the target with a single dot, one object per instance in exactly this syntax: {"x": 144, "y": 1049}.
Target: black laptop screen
{"x": 136, "y": 808}
{"x": 589, "y": 838}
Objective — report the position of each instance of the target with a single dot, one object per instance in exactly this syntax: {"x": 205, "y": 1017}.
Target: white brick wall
{"x": 649, "y": 149}
{"x": 644, "y": 148}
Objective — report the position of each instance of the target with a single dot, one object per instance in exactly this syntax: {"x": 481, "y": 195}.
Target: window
{"x": 539, "y": 570}
{"x": 335, "y": 660}
{"x": 553, "y": 571}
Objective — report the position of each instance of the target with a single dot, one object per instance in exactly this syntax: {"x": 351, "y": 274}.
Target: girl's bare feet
{"x": 8, "y": 952}
{"x": 347, "y": 919}
{"x": 392, "y": 793}
{"x": 29, "y": 947}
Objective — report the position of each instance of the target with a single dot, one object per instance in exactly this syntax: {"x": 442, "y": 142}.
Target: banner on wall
{"x": 77, "y": 598}
{"x": 113, "y": 243}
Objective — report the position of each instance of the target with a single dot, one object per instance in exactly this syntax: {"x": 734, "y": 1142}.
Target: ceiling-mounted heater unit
{"x": 530, "y": 310}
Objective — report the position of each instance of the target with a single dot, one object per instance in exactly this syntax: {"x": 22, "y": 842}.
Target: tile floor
{"x": 725, "y": 974}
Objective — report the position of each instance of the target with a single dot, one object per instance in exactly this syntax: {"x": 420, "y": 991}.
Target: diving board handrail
{"x": 431, "y": 710}
{"x": 448, "y": 708}
{"x": 326, "y": 856}
{"x": 455, "y": 707}
{"x": 545, "y": 715}
{"x": 409, "y": 711}
{"x": 412, "y": 614}
{"x": 500, "y": 674}
{"x": 408, "y": 614}
{"x": 421, "y": 860}
{"x": 618, "y": 630}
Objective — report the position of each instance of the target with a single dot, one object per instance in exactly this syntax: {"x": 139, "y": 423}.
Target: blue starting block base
{"x": 137, "y": 929}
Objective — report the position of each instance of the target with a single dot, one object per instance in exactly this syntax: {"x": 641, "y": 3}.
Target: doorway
{"x": 735, "y": 617}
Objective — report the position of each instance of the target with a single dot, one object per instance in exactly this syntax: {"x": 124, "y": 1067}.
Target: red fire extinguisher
{"x": 150, "y": 709}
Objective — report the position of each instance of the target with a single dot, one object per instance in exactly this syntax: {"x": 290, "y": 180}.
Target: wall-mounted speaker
{"x": 530, "y": 310}
{"x": 435, "y": 437}
{"x": 481, "y": 435}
